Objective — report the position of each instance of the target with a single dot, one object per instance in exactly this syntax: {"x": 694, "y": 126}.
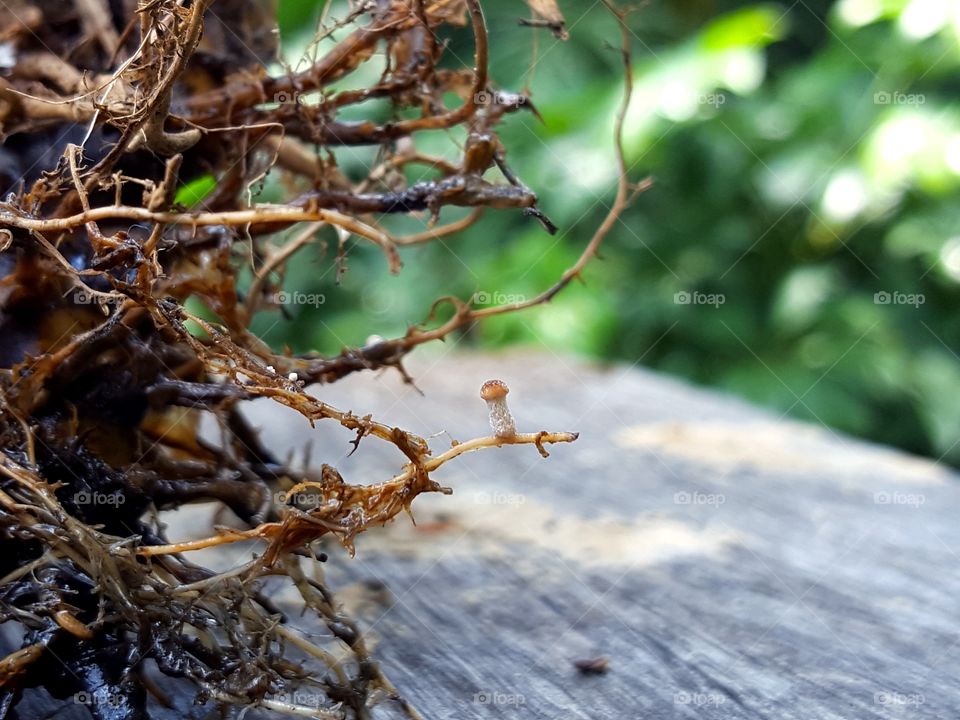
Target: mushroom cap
{"x": 494, "y": 390}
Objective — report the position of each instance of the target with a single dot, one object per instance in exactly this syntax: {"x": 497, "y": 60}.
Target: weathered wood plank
{"x": 728, "y": 563}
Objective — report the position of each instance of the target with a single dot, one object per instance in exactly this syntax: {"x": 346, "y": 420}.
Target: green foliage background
{"x": 806, "y": 157}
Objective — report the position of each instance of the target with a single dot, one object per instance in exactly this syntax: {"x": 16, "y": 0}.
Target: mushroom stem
{"x": 501, "y": 420}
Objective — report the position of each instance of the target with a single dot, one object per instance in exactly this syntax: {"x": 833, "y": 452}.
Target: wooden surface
{"x": 726, "y": 562}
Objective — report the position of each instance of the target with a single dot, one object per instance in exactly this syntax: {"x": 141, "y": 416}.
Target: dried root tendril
{"x": 106, "y": 375}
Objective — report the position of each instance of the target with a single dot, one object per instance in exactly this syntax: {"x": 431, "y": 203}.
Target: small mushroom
{"x": 494, "y": 392}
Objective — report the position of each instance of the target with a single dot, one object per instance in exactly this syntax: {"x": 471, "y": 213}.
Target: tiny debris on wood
{"x": 592, "y": 666}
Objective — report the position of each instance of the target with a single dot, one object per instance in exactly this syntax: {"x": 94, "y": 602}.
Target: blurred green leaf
{"x": 196, "y": 191}
{"x": 748, "y": 27}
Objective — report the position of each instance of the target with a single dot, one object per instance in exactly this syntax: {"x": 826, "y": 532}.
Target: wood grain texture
{"x": 728, "y": 563}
